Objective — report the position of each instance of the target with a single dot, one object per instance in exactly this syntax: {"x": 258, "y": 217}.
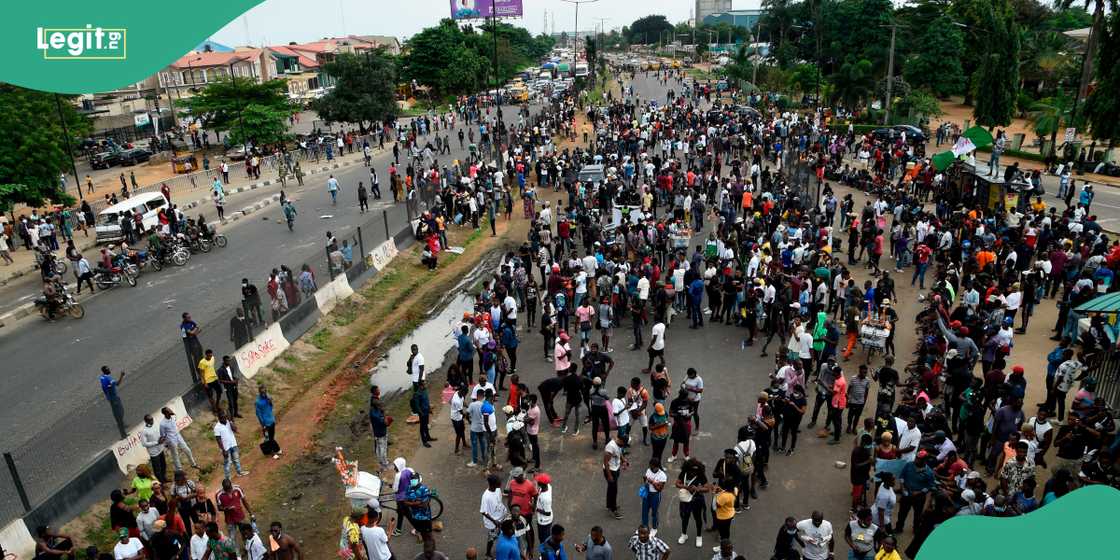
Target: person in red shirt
{"x": 922, "y": 254}
{"x": 232, "y": 503}
{"x": 522, "y": 493}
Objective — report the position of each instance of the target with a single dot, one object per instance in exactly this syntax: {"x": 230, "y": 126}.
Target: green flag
{"x": 943, "y": 160}
{"x": 979, "y": 135}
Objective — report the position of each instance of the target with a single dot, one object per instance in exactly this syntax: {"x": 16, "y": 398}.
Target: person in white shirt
{"x": 128, "y": 548}
{"x": 198, "y": 541}
{"x": 622, "y": 409}
{"x": 376, "y": 539}
{"x": 815, "y": 536}
{"x": 146, "y": 520}
{"x": 493, "y": 510}
{"x": 416, "y": 366}
{"x": 150, "y": 439}
{"x": 656, "y": 345}
{"x": 254, "y": 548}
{"x": 885, "y": 500}
{"x": 225, "y": 434}
{"x": 173, "y": 440}
{"x": 908, "y": 439}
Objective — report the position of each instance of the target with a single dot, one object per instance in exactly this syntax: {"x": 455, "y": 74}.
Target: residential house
{"x": 300, "y": 70}
{"x": 196, "y": 69}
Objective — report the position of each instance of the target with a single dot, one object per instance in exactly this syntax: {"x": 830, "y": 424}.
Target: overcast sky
{"x": 280, "y": 21}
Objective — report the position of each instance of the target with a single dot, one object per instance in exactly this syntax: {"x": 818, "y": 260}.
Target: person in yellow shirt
{"x": 887, "y": 550}
{"x": 209, "y": 375}
{"x": 725, "y": 509}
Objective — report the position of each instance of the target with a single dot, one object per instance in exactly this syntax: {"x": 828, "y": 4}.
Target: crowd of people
{"x": 711, "y": 214}
{"x": 750, "y": 221}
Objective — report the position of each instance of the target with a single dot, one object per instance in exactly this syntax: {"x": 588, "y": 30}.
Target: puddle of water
{"x": 434, "y": 337}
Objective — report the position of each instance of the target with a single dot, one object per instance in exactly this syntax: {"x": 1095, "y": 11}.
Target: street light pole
{"x": 575, "y": 44}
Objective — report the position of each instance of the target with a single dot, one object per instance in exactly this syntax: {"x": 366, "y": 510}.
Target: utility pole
{"x": 69, "y": 150}
{"x": 890, "y": 76}
{"x": 575, "y": 44}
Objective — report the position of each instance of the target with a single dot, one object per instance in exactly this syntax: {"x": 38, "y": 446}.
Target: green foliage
{"x": 853, "y": 82}
{"x": 805, "y": 78}
{"x": 997, "y": 82}
{"x": 457, "y": 61}
{"x": 34, "y": 145}
{"x": 1102, "y": 108}
{"x": 1050, "y": 115}
{"x": 248, "y": 111}
{"x": 937, "y": 64}
{"x": 364, "y": 92}
{"x": 648, "y": 30}
{"x": 919, "y": 102}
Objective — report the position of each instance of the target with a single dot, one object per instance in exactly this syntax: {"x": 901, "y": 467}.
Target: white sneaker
{"x": 682, "y": 539}
{"x": 472, "y": 464}
{"x": 715, "y": 549}
{"x": 699, "y": 542}
{"x": 670, "y": 461}
{"x": 653, "y": 532}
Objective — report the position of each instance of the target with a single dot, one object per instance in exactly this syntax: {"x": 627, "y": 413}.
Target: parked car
{"x": 914, "y": 135}
{"x": 134, "y": 156}
{"x": 104, "y": 160}
{"x": 236, "y": 153}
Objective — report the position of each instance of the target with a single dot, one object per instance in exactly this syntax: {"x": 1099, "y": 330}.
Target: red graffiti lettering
{"x": 252, "y": 356}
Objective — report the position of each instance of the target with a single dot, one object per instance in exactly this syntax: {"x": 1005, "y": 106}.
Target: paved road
{"x": 808, "y": 480}
{"x": 127, "y": 327}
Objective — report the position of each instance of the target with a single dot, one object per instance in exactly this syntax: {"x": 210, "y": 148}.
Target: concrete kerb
{"x": 27, "y": 309}
{"x": 97, "y": 478}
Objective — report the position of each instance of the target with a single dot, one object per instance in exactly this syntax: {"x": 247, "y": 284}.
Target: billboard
{"x": 476, "y": 9}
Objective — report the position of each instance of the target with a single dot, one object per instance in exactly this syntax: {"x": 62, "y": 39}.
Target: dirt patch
{"x": 318, "y": 385}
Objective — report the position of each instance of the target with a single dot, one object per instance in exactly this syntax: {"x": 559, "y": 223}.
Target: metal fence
{"x": 133, "y": 133}
{"x": 61, "y": 450}
{"x": 1106, "y": 372}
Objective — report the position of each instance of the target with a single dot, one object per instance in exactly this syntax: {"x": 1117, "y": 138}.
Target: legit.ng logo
{"x": 88, "y": 43}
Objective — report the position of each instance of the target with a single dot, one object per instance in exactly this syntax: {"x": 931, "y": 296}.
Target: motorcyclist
{"x": 53, "y": 295}
{"x": 155, "y": 244}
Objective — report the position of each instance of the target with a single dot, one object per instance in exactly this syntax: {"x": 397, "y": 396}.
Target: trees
{"x": 1103, "y": 104}
{"x": 937, "y": 65}
{"x": 648, "y": 30}
{"x": 997, "y": 81}
{"x": 34, "y": 147}
{"x": 1050, "y": 115}
{"x": 853, "y": 82}
{"x": 249, "y": 112}
{"x": 364, "y": 92}
{"x": 457, "y": 61}
{"x": 805, "y": 78}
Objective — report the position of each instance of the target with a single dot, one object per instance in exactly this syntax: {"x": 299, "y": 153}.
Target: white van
{"x": 108, "y": 220}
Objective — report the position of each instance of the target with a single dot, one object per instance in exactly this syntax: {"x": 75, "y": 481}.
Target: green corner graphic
{"x": 148, "y": 39}
{"x": 1043, "y": 533}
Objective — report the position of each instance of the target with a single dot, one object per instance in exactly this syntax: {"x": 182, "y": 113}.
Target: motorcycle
{"x": 106, "y": 278}
{"x": 66, "y": 306}
{"x": 59, "y": 264}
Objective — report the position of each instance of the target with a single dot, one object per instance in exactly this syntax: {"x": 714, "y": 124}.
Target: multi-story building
{"x": 705, "y": 8}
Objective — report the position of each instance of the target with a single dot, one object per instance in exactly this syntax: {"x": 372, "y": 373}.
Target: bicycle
{"x": 389, "y": 502}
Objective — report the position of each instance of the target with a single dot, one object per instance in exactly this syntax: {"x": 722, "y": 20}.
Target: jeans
{"x": 118, "y": 415}
{"x": 233, "y": 456}
{"x": 381, "y": 450}
{"x": 478, "y": 446}
{"x": 174, "y": 448}
{"x": 650, "y": 506}
{"x": 920, "y": 275}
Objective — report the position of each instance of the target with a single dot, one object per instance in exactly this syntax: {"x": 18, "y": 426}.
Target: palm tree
{"x": 1051, "y": 115}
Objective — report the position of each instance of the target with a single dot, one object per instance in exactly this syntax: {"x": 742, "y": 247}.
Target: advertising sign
{"x": 476, "y": 9}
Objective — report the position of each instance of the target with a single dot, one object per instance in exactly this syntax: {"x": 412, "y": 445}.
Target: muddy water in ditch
{"x": 434, "y": 336}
